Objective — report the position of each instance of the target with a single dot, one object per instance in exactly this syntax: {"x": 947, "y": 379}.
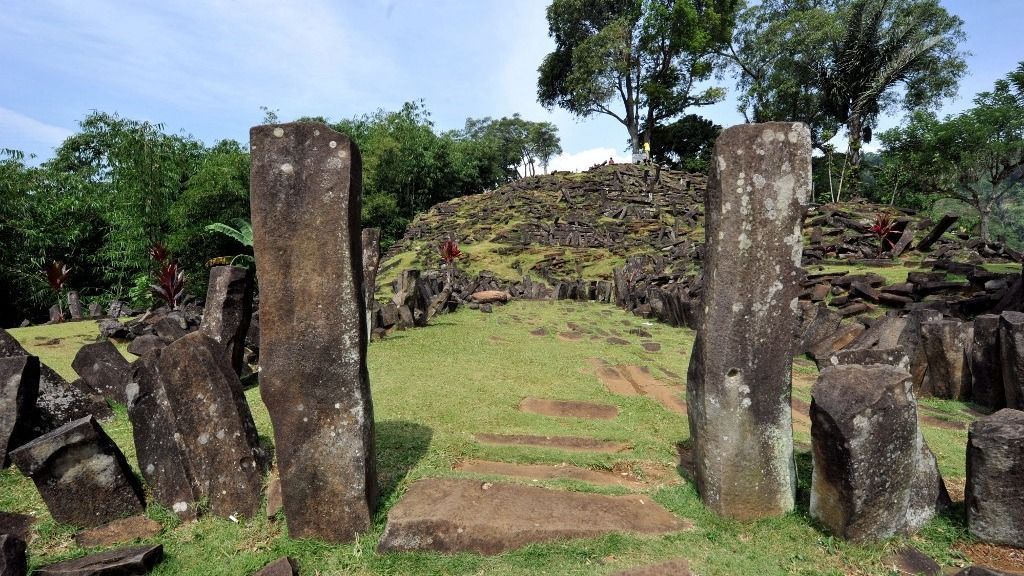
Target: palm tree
{"x": 888, "y": 43}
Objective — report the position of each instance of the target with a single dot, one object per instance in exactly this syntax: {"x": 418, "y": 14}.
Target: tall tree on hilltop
{"x": 835, "y": 63}
{"x": 638, "y": 61}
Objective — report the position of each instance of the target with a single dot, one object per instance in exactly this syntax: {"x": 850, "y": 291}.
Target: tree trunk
{"x": 855, "y": 128}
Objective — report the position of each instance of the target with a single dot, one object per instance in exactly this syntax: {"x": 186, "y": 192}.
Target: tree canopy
{"x": 639, "y": 61}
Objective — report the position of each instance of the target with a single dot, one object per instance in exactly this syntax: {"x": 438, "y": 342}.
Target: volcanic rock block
{"x": 306, "y": 197}
{"x": 280, "y": 567}
{"x": 81, "y": 474}
{"x": 874, "y": 476}
{"x": 214, "y": 427}
{"x": 74, "y": 305}
{"x": 868, "y": 356}
{"x": 58, "y": 402}
{"x": 95, "y": 310}
{"x": 994, "y": 497}
{"x": 946, "y": 344}
{"x": 739, "y": 379}
{"x": 371, "y": 260}
{"x": 819, "y": 322}
{"x": 455, "y": 515}
{"x": 944, "y": 223}
{"x": 118, "y": 531}
{"x": 844, "y": 334}
{"x": 12, "y": 556}
{"x": 104, "y": 369}
{"x": 56, "y": 314}
{"x": 145, "y": 343}
{"x": 19, "y": 387}
{"x": 159, "y": 447}
{"x": 228, "y": 310}
{"x": 912, "y": 343}
{"x": 19, "y": 525}
{"x": 986, "y": 372}
{"x": 1011, "y": 346}
{"x": 122, "y": 561}
{"x": 170, "y": 328}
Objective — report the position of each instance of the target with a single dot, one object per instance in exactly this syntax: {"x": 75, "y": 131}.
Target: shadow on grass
{"x": 400, "y": 446}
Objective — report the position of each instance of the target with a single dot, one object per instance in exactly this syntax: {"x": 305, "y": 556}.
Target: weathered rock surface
{"x": 569, "y": 408}
{"x": 874, "y": 476}
{"x": 215, "y": 434}
{"x": 306, "y": 198}
{"x": 145, "y": 343}
{"x": 104, "y": 369}
{"x": 280, "y": 567}
{"x": 370, "y": 241}
{"x": 994, "y": 496}
{"x": 548, "y": 472}
{"x": 1011, "y": 346}
{"x": 739, "y": 379}
{"x": 18, "y": 524}
{"x": 912, "y": 343}
{"x": 134, "y": 560}
{"x": 946, "y": 346}
{"x": 58, "y": 402}
{"x": 910, "y": 561}
{"x": 12, "y": 556}
{"x": 118, "y": 532}
{"x": 451, "y": 515}
{"x": 74, "y": 305}
{"x": 19, "y": 387}
{"x": 81, "y": 474}
{"x": 159, "y": 446}
{"x": 228, "y": 310}
{"x": 490, "y": 296}
{"x": 985, "y": 364}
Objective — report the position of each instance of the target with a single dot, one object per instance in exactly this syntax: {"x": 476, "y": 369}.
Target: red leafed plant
{"x": 170, "y": 278}
{"x": 450, "y": 251}
{"x": 883, "y": 228}
{"x": 57, "y": 274}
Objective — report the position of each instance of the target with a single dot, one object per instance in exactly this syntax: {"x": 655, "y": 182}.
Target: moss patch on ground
{"x": 435, "y": 387}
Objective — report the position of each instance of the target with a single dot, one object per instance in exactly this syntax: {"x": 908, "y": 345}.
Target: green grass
{"x": 433, "y": 388}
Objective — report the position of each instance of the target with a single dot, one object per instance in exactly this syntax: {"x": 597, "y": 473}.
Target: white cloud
{"x": 584, "y": 159}
{"x": 17, "y": 126}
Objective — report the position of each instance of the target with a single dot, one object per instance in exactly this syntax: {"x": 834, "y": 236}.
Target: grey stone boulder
{"x": 994, "y": 496}
{"x": 874, "y": 477}
{"x": 912, "y": 343}
{"x": 103, "y": 369}
{"x": 280, "y": 567}
{"x": 145, "y": 343}
{"x": 19, "y": 388}
{"x": 947, "y": 347}
{"x": 111, "y": 328}
{"x": 81, "y": 475}
{"x": 13, "y": 561}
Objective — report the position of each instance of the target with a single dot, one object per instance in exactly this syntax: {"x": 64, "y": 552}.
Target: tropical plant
{"x": 883, "y": 227}
{"x": 449, "y": 252}
{"x": 169, "y": 281}
{"x": 56, "y": 275}
{"x": 241, "y": 232}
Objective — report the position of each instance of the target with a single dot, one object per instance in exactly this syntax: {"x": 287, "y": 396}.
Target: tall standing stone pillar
{"x": 306, "y": 196}
{"x": 228, "y": 310}
{"x": 371, "y": 261}
{"x": 739, "y": 379}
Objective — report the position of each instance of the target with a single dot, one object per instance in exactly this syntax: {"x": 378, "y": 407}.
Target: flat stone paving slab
{"x": 122, "y": 561}
{"x": 677, "y": 567}
{"x": 571, "y": 443}
{"x": 549, "y": 472}
{"x": 118, "y": 531}
{"x": 629, "y": 380}
{"x": 452, "y": 515}
{"x": 569, "y": 408}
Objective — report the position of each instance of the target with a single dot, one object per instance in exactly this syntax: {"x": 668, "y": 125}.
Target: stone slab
{"x": 569, "y": 408}
{"x": 570, "y": 443}
{"x": 131, "y": 561}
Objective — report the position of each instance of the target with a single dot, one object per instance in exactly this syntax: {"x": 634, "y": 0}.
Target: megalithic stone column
{"x": 371, "y": 260}
{"x": 739, "y": 380}
{"x": 306, "y": 196}
{"x": 228, "y": 310}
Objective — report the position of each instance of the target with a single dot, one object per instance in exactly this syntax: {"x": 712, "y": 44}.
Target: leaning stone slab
{"x": 160, "y": 448}
{"x": 134, "y": 560}
{"x": 19, "y": 387}
{"x": 215, "y": 429}
{"x": 985, "y": 364}
{"x": 13, "y": 561}
{"x": 104, "y": 369}
{"x": 874, "y": 476}
{"x": 81, "y": 475}
{"x": 58, "y": 402}
{"x": 452, "y": 515}
{"x": 739, "y": 379}
{"x": 306, "y": 197}
{"x": 228, "y": 310}
{"x": 994, "y": 497}
{"x": 1011, "y": 345}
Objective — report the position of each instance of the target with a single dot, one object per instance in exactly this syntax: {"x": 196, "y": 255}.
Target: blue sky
{"x": 206, "y": 67}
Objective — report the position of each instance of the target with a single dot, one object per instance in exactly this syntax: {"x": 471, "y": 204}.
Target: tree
{"x": 976, "y": 157}
{"x": 638, "y": 61}
{"x": 686, "y": 144}
{"x": 835, "y": 63}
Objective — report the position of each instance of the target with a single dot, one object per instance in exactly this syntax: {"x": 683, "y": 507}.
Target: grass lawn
{"x": 433, "y": 388}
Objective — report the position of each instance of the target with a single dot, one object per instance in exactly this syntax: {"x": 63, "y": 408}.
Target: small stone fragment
{"x": 280, "y": 567}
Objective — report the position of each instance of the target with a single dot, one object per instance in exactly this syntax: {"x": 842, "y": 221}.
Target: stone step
{"x": 453, "y": 515}
{"x": 569, "y": 408}
{"x": 570, "y": 443}
{"x": 677, "y": 567}
{"x": 629, "y": 380}
{"x": 549, "y": 472}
